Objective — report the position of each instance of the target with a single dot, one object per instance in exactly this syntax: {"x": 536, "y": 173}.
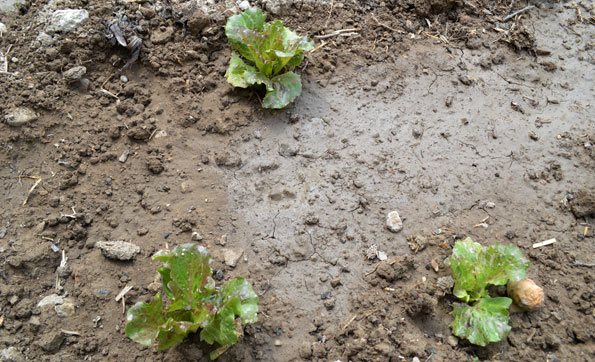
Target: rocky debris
{"x": 11, "y": 354}
{"x": 50, "y": 300}
{"x": 452, "y": 341}
{"x": 65, "y": 309}
{"x": 583, "y": 203}
{"x": 20, "y": 116}
{"x": 196, "y": 236}
{"x": 231, "y": 257}
{"x": 75, "y": 73}
{"x": 124, "y": 156}
{"x": 51, "y": 341}
{"x": 66, "y": 20}
{"x": 373, "y": 253}
{"x": 394, "y": 222}
{"x": 118, "y": 249}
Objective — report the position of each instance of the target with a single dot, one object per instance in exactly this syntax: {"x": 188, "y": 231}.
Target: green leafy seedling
{"x": 191, "y": 302}
{"x": 265, "y": 53}
{"x": 483, "y": 319}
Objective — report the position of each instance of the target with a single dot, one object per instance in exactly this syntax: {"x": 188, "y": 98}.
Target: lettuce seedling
{"x": 265, "y": 53}
{"x": 483, "y": 319}
{"x": 193, "y": 303}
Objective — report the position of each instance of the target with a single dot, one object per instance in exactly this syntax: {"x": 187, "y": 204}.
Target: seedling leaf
{"x": 265, "y": 53}
{"x": 484, "y": 322}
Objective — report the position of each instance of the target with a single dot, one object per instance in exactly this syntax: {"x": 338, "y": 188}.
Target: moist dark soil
{"x": 465, "y": 120}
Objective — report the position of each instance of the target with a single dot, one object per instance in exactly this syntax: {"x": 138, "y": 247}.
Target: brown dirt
{"x": 457, "y": 120}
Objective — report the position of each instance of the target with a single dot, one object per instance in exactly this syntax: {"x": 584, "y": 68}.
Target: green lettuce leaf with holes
{"x": 265, "y": 54}
{"x": 475, "y": 267}
{"x": 193, "y": 302}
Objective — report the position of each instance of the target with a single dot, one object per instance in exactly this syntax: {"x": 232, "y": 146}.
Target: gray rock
{"x": 124, "y": 156}
{"x": 3, "y": 29}
{"x": 243, "y": 5}
{"x": 65, "y": 309}
{"x": 66, "y": 20}
{"x": 453, "y": 341}
{"x": 231, "y": 257}
{"x": 51, "y": 341}
{"x": 75, "y": 73}
{"x": 45, "y": 39}
{"x": 20, "y": 116}
{"x": 394, "y": 222}
{"x": 196, "y": 236}
{"x": 11, "y": 354}
{"x": 50, "y": 300}
{"x": 118, "y": 249}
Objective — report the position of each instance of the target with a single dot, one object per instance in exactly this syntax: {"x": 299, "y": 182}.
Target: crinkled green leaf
{"x": 237, "y": 299}
{"x": 240, "y": 74}
{"x": 284, "y": 89}
{"x": 144, "y": 320}
{"x": 220, "y": 328}
{"x": 242, "y": 298}
{"x": 189, "y": 273}
{"x": 244, "y": 32}
{"x": 194, "y": 303}
{"x": 475, "y": 267}
{"x": 484, "y": 322}
{"x": 173, "y": 333}
{"x": 265, "y": 53}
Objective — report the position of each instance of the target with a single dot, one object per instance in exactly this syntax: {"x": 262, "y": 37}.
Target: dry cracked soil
{"x": 465, "y": 120}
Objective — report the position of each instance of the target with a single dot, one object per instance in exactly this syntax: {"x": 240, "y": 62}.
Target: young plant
{"x": 193, "y": 303}
{"x": 265, "y": 53}
{"x": 483, "y": 319}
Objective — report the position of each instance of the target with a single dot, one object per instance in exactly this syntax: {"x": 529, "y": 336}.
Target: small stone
{"x": 50, "y": 300}
{"x": 84, "y": 84}
{"x": 415, "y": 359}
{"x": 417, "y": 131}
{"x": 20, "y": 116}
{"x": 75, "y": 73}
{"x": 51, "y": 342}
{"x": 381, "y": 255}
{"x": 329, "y": 303}
{"x": 244, "y": 5}
{"x": 65, "y": 309}
{"x": 278, "y": 342}
{"x": 453, "y": 341}
{"x": 3, "y": 29}
{"x": 231, "y": 257}
{"x": 394, "y": 222}
{"x": 11, "y": 354}
{"x": 66, "y": 20}
{"x": 118, "y": 249}
{"x": 196, "y": 236}
{"x": 124, "y": 156}
{"x": 335, "y": 282}
{"x": 142, "y": 231}
{"x": 123, "y": 79}
{"x": 13, "y": 299}
{"x": 490, "y": 205}
{"x": 102, "y": 293}
{"x": 186, "y": 187}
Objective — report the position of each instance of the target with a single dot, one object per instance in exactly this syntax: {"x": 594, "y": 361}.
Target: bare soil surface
{"x": 465, "y": 122}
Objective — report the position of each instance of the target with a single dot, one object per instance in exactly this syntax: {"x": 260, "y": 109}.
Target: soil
{"x": 466, "y": 124}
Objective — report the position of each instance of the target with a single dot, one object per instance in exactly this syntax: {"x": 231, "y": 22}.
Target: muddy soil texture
{"x": 464, "y": 119}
